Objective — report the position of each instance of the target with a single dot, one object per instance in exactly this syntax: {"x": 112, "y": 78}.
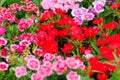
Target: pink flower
{"x": 87, "y": 16}
{"x": 38, "y": 52}
{"x": 36, "y": 76}
{"x": 72, "y": 63}
{"x": 20, "y": 71}
{"x": 2, "y": 30}
{"x": 73, "y": 76}
{"x": 79, "y": 0}
{"x": 23, "y": 24}
{"x": 60, "y": 66}
{"x": 25, "y": 43}
{"x": 3, "y": 66}
{"x": 88, "y": 54}
{"x": 78, "y": 20}
{"x": 29, "y": 57}
{"x": 99, "y": 7}
{"x": 3, "y": 41}
{"x": 46, "y": 69}
{"x": 76, "y": 12}
{"x": 13, "y": 47}
{"x": 47, "y": 4}
{"x": 48, "y": 57}
{"x": 26, "y": 36}
{"x": 33, "y": 64}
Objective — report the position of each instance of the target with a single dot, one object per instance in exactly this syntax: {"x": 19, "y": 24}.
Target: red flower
{"x": 107, "y": 53}
{"x": 98, "y": 20}
{"x": 60, "y": 11}
{"x": 46, "y": 15}
{"x": 102, "y": 76}
{"x": 67, "y": 48}
{"x": 111, "y": 25}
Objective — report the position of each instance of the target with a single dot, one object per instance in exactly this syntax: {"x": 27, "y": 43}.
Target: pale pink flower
{"x": 47, "y": 4}
{"x": 74, "y": 6}
{"x": 38, "y": 52}
{"x": 33, "y": 64}
{"x": 3, "y": 41}
{"x": 88, "y": 54}
{"x": 46, "y": 69}
{"x": 49, "y": 57}
{"x": 87, "y": 16}
{"x": 36, "y": 76}
{"x": 78, "y": 0}
{"x": 73, "y": 76}
{"x": 2, "y": 30}
{"x": 20, "y": 71}
{"x": 3, "y": 66}
{"x": 60, "y": 66}
{"x": 29, "y": 57}
{"x": 72, "y": 63}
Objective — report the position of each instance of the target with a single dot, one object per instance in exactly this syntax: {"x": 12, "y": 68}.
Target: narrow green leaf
{"x": 2, "y": 2}
{"x": 93, "y": 44}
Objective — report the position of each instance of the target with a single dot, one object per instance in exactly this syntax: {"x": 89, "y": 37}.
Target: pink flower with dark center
{"x": 23, "y": 24}
{"x": 20, "y": 71}
{"x": 13, "y": 47}
{"x": 33, "y": 64}
{"x": 25, "y": 43}
{"x": 38, "y": 52}
{"x": 3, "y": 41}
{"x": 2, "y": 30}
{"x": 60, "y": 66}
{"x": 3, "y": 66}
{"x": 36, "y": 76}
{"x": 49, "y": 57}
{"x": 73, "y": 76}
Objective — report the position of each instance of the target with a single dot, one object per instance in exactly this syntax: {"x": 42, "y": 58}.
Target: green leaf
{"x": 2, "y": 2}
{"x": 93, "y": 44}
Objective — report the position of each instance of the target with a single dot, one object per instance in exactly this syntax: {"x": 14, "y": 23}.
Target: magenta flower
{"x": 38, "y": 52}
{"x": 3, "y": 66}
{"x": 2, "y": 30}
{"x": 73, "y": 76}
{"x": 20, "y": 71}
